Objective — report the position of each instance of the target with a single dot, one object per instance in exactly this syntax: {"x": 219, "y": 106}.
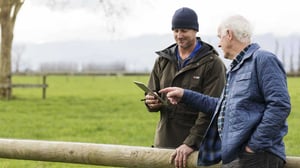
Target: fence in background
{"x": 42, "y": 85}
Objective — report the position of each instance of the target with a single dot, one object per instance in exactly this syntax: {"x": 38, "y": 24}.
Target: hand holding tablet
{"x": 149, "y": 91}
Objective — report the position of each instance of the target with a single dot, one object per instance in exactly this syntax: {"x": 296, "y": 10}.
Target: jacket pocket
{"x": 244, "y": 76}
{"x": 241, "y": 84}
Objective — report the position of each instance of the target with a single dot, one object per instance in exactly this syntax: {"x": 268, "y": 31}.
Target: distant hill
{"x": 137, "y": 54}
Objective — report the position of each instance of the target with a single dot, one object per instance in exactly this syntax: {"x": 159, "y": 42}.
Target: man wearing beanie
{"x": 189, "y": 63}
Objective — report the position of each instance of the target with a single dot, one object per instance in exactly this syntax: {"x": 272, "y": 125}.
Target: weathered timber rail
{"x": 98, "y": 154}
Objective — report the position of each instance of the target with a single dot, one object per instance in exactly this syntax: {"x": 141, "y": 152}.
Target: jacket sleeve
{"x": 273, "y": 87}
{"x": 213, "y": 85}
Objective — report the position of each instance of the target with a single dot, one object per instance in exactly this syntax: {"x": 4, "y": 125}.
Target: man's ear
{"x": 230, "y": 34}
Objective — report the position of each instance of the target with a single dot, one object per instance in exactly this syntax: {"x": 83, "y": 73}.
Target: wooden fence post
{"x": 44, "y": 88}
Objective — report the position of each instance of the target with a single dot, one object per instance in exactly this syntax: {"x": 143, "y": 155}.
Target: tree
{"x": 17, "y": 52}
{"x": 298, "y": 73}
{"x": 113, "y": 12}
{"x": 8, "y": 14}
{"x": 9, "y": 9}
{"x": 277, "y": 51}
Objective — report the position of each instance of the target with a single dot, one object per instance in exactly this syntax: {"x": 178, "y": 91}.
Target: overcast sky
{"x": 39, "y": 23}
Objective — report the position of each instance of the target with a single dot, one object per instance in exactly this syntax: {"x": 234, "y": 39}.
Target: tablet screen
{"x": 149, "y": 91}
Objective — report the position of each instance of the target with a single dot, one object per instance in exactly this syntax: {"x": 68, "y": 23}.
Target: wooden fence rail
{"x": 43, "y": 85}
{"x": 98, "y": 154}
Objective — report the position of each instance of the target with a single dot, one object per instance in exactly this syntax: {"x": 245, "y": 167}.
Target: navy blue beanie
{"x": 185, "y": 18}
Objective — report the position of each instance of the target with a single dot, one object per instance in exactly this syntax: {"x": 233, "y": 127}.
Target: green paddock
{"x": 94, "y": 109}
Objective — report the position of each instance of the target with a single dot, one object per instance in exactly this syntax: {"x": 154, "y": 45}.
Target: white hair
{"x": 240, "y": 26}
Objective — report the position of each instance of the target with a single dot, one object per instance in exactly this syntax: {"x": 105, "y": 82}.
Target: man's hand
{"x": 179, "y": 157}
{"x": 249, "y": 150}
{"x": 174, "y": 94}
{"x": 152, "y": 102}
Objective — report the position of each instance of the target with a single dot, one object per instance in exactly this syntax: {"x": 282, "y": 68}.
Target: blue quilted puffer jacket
{"x": 257, "y": 107}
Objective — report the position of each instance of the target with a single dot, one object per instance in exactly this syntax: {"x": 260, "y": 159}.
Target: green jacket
{"x": 205, "y": 73}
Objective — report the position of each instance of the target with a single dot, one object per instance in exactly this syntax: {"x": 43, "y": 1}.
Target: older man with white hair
{"x": 249, "y": 119}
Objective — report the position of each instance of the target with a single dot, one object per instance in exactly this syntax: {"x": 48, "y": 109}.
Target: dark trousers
{"x": 256, "y": 160}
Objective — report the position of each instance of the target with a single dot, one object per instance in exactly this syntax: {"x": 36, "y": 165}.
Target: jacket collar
{"x": 170, "y": 52}
{"x": 252, "y": 48}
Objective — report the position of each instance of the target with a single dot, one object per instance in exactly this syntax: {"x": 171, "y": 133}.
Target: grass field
{"x": 96, "y": 109}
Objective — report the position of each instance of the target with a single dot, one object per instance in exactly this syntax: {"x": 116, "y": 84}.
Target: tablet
{"x": 149, "y": 91}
